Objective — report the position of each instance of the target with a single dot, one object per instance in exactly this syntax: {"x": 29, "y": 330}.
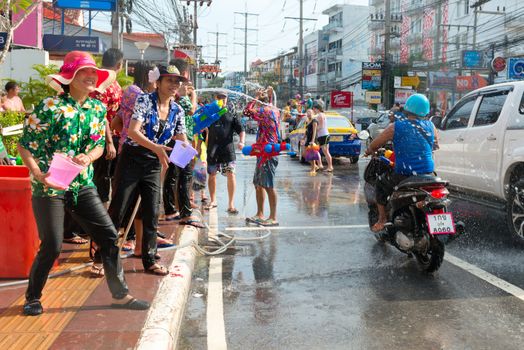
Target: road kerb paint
{"x": 285, "y": 228}
{"x": 486, "y": 276}
{"x": 216, "y": 332}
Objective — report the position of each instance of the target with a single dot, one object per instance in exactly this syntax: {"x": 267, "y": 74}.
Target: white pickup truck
{"x": 482, "y": 149}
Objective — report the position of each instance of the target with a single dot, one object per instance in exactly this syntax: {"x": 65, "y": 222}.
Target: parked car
{"x": 342, "y": 142}
{"x": 482, "y": 149}
{"x": 378, "y": 125}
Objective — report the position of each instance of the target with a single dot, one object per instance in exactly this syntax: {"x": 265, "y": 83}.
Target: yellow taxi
{"x": 342, "y": 141}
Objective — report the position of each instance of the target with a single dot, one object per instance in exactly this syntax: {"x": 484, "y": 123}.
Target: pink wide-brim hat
{"x": 75, "y": 61}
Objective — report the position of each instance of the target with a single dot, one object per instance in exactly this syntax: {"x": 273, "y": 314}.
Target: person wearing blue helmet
{"x": 413, "y": 139}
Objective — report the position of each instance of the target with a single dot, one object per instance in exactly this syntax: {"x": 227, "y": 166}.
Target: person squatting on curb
{"x": 71, "y": 123}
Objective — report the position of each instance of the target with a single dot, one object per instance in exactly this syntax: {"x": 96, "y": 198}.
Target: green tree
{"x": 269, "y": 78}
{"x": 217, "y": 82}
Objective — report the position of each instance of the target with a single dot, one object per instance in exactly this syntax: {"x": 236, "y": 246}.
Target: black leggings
{"x": 90, "y": 213}
{"x": 138, "y": 170}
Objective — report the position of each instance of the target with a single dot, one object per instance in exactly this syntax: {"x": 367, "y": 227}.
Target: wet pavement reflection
{"x": 335, "y": 287}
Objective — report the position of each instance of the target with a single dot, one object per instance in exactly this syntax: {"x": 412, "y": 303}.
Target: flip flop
{"x": 255, "y": 220}
{"x": 174, "y": 218}
{"x": 76, "y": 239}
{"x": 270, "y": 223}
{"x": 210, "y": 206}
{"x": 159, "y": 270}
{"x": 194, "y": 223}
{"x": 132, "y": 304}
{"x": 233, "y": 211}
{"x": 97, "y": 271}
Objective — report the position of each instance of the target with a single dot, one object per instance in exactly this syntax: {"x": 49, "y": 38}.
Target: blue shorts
{"x": 265, "y": 173}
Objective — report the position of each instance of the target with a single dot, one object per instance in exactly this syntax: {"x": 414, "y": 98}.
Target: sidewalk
{"x": 76, "y": 307}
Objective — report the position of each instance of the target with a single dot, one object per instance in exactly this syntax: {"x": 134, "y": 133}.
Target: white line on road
{"x": 216, "y": 331}
{"x": 486, "y": 276}
{"x": 281, "y": 228}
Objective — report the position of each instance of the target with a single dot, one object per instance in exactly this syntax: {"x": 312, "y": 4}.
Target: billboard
{"x": 66, "y": 43}
{"x": 341, "y": 99}
{"x": 443, "y": 80}
{"x": 402, "y": 95}
{"x": 516, "y": 68}
{"x": 373, "y": 97}
{"x": 371, "y": 75}
{"x": 470, "y": 82}
{"x": 311, "y": 58}
{"x": 476, "y": 59}
{"x": 97, "y": 5}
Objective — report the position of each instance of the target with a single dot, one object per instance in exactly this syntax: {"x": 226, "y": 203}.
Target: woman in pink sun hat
{"x": 74, "y": 124}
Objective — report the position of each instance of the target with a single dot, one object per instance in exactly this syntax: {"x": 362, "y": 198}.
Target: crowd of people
{"x": 122, "y": 139}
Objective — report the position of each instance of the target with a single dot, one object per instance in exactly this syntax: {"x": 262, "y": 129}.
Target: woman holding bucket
{"x": 156, "y": 119}
{"x": 74, "y": 124}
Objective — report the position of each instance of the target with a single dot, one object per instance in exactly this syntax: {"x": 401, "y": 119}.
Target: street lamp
{"x": 141, "y": 46}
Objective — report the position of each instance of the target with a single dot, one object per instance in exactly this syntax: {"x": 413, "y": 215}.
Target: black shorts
{"x": 323, "y": 140}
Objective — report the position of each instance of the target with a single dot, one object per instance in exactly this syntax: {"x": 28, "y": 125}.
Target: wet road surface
{"x": 321, "y": 281}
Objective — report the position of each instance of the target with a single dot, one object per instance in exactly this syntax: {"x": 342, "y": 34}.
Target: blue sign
{"x": 70, "y": 43}
{"x": 98, "y": 5}
{"x": 3, "y": 39}
{"x": 475, "y": 59}
{"x": 516, "y": 68}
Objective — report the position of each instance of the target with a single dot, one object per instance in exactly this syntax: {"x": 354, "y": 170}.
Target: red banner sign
{"x": 470, "y": 83}
{"x": 341, "y": 99}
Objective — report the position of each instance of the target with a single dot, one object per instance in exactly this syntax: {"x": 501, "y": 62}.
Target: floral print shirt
{"x": 61, "y": 125}
{"x": 111, "y": 99}
{"x": 187, "y": 106}
{"x": 127, "y": 107}
{"x": 146, "y": 112}
{"x": 268, "y": 122}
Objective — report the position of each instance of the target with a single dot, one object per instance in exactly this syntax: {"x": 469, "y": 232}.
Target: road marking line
{"x": 216, "y": 332}
{"x": 280, "y": 228}
{"x": 486, "y": 276}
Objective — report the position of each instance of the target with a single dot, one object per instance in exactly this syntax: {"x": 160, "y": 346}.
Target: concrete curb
{"x": 162, "y": 326}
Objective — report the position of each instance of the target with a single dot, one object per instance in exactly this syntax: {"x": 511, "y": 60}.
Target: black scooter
{"x": 418, "y": 219}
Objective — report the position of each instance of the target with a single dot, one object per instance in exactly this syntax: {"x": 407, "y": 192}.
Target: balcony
{"x": 335, "y": 27}
{"x": 417, "y": 7}
{"x": 376, "y": 3}
{"x": 414, "y": 38}
{"x": 376, "y": 51}
{"x": 374, "y": 25}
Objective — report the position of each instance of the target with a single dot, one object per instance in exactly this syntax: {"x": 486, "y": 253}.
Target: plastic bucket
{"x": 182, "y": 154}
{"x": 63, "y": 170}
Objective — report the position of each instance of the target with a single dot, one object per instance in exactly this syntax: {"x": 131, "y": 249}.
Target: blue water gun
{"x": 207, "y": 115}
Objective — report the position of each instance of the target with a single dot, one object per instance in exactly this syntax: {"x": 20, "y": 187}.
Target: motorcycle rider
{"x": 413, "y": 139}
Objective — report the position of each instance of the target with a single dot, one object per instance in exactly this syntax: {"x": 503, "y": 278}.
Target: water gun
{"x": 265, "y": 151}
{"x": 388, "y": 158}
{"x": 207, "y": 115}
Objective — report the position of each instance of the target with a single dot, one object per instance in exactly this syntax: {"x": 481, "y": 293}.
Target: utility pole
{"x": 301, "y": 20}
{"x": 217, "y": 45}
{"x": 115, "y": 24}
{"x": 387, "y": 68}
{"x": 246, "y": 44}
{"x": 195, "y": 28}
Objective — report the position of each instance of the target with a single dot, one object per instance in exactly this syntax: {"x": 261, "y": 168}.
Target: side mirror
{"x": 437, "y": 121}
{"x": 363, "y": 135}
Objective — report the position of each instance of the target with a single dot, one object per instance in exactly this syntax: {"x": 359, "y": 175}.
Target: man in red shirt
{"x": 113, "y": 59}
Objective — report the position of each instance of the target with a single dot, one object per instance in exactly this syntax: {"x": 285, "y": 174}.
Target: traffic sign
{"x": 100, "y": 5}
{"x": 411, "y": 81}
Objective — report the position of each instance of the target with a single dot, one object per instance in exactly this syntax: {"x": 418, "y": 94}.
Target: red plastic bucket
{"x": 18, "y": 233}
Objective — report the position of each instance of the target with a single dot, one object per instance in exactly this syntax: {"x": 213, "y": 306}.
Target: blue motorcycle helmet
{"x": 418, "y": 105}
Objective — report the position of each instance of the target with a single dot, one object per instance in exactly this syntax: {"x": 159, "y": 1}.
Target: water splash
{"x": 233, "y": 92}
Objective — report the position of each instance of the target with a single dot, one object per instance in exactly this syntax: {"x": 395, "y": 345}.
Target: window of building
{"x": 336, "y": 18}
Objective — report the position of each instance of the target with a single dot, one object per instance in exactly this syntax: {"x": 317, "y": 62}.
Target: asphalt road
{"x": 321, "y": 281}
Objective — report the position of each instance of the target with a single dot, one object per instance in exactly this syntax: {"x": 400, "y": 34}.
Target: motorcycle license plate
{"x": 441, "y": 224}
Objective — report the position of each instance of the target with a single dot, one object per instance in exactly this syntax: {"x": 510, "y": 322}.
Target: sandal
{"x": 97, "y": 271}
{"x": 76, "y": 239}
{"x": 157, "y": 270}
{"x": 33, "y": 308}
{"x": 132, "y": 304}
{"x": 194, "y": 223}
{"x": 210, "y": 206}
{"x": 128, "y": 246}
{"x": 233, "y": 211}
{"x": 270, "y": 223}
{"x": 255, "y": 220}
{"x": 164, "y": 243}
